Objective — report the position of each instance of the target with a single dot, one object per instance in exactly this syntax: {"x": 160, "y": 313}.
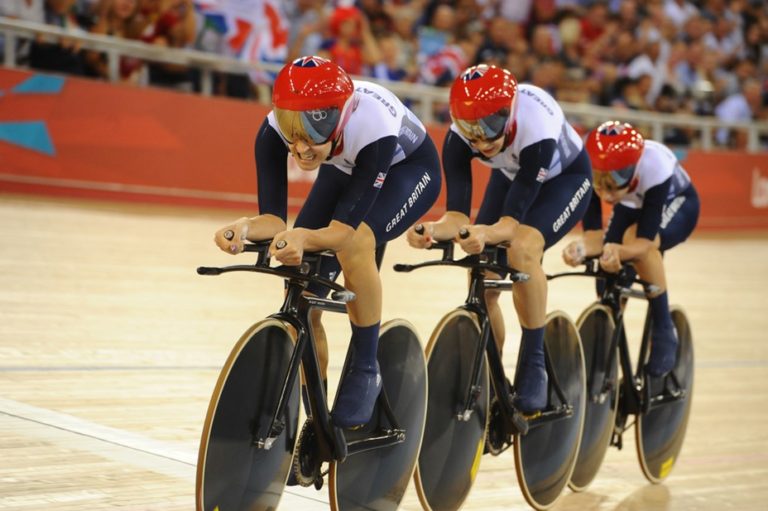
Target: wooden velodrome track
{"x": 110, "y": 345}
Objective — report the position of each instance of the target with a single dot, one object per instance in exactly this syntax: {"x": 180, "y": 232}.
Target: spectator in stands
{"x": 379, "y": 19}
{"x": 650, "y": 65}
{"x": 544, "y": 45}
{"x": 352, "y": 45}
{"x": 668, "y": 101}
{"x": 404, "y": 20}
{"x": 695, "y": 28}
{"x": 516, "y": 11}
{"x": 548, "y": 74}
{"x": 756, "y": 44}
{"x": 744, "y": 106}
{"x": 171, "y": 24}
{"x": 496, "y": 44}
{"x": 570, "y": 33}
{"x": 66, "y": 55}
{"x": 117, "y": 18}
{"x": 628, "y": 15}
{"x": 26, "y": 10}
{"x": 678, "y": 11}
{"x": 687, "y": 69}
{"x": 392, "y": 65}
{"x": 600, "y": 51}
{"x": 306, "y": 22}
{"x": 438, "y": 33}
{"x": 446, "y": 64}
{"x": 726, "y": 40}
{"x": 593, "y": 24}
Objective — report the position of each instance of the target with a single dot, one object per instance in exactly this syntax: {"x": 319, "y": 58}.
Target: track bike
{"x": 470, "y": 409}
{"x": 660, "y": 406}
{"x": 251, "y": 440}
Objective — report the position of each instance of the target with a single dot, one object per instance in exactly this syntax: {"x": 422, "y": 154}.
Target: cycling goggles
{"x": 623, "y": 177}
{"x": 314, "y": 127}
{"x": 488, "y": 128}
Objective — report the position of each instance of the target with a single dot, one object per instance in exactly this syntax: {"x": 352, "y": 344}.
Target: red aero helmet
{"x": 615, "y": 147}
{"x": 311, "y": 98}
{"x": 482, "y": 101}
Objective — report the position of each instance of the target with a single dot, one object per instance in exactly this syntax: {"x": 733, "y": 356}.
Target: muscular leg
{"x": 321, "y": 341}
{"x": 496, "y": 317}
{"x": 530, "y": 299}
{"x": 494, "y": 312}
{"x": 361, "y": 276}
{"x": 362, "y": 382}
{"x": 650, "y": 267}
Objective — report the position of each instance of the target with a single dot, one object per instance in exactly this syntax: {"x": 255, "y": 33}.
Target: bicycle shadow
{"x": 651, "y": 497}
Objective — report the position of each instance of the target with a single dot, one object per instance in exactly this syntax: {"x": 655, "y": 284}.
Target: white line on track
{"x": 137, "y": 450}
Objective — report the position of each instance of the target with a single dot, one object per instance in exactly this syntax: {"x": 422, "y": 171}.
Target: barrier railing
{"x": 423, "y": 97}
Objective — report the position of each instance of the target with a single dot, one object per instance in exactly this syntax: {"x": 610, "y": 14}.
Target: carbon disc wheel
{"x": 546, "y": 455}
{"x": 661, "y": 430}
{"x": 596, "y": 329}
{"x": 233, "y": 473}
{"x": 452, "y": 448}
{"x": 376, "y": 479}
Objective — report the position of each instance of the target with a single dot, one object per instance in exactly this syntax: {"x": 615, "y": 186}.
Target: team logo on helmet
{"x": 473, "y": 73}
{"x": 311, "y": 61}
{"x": 612, "y": 129}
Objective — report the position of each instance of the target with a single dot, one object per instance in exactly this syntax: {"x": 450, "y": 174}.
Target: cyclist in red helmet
{"x": 538, "y": 190}
{"x": 379, "y": 172}
{"x": 655, "y": 207}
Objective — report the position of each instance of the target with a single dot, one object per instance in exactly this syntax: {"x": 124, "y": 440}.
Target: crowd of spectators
{"x": 705, "y": 57}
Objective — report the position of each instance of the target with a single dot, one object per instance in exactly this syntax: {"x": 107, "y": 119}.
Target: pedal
{"x": 520, "y": 422}
{"x": 616, "y": 440}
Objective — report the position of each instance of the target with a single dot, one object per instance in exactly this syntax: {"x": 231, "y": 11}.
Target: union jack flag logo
{"x": 474, "y": 73}
{"x": 379, "y": 181}
{"x": 613, "y": 129}
{"x": 309, "y": 61}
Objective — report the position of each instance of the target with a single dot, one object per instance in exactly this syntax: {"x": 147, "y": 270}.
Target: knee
{"x": 629, "y": 235}
{"x": 362, "y": 245}
{"x": 525, "y": 253}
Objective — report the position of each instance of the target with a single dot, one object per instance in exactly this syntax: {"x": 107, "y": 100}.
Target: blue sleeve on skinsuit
{"x": 457, "y": 165}
{"x": 649, "y": 223}
{"x": 271, "y": 171}
{"x": 593, "y": 217}
{"x": 525, "y": 187}
{"x": 371, "y": 162}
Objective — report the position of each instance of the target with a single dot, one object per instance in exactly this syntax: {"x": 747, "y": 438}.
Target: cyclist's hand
{"x": 230, "y": 238}
{"x": 472, "y": 238}
{"x": 610, "y": 260}
{"x": 288, "y": 247}
{"x": 423, "y": 239}
{"x": 574, "y": 253}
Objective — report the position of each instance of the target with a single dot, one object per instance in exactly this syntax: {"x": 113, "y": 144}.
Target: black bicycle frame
{"x": 475, "y": 304}
{"x": 295, "y": 310}
{"x": 635, "y": 397}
